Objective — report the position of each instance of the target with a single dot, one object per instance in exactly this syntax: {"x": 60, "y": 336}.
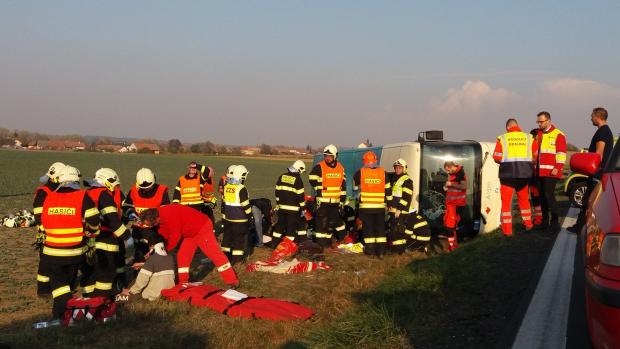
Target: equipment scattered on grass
{"x": 278, "y": 264}
{"x": 21, "y": 219}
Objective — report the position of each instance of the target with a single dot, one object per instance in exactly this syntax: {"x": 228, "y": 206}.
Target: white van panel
{"x": 410, "y": 152}
{"x": 490, "y": 201}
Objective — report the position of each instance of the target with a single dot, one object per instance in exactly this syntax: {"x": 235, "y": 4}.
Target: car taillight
{"x": 610, "y": 251}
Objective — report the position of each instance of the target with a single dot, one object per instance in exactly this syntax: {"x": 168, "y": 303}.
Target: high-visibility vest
{"x": 208, "y": 192}
{"x": 233, "y": 207}
{"x": 456, "y": 196}
{"x": 331, "y": 181}
{"x": 62, "y": 218}
{"x": 516, "y": 155}
{"x": 140, "y": 203}
{"x": 372, "y": 187}
{"x": 549, "y": 157}
{"x": 190, "y": 190}
{"x": 397, "y": 193}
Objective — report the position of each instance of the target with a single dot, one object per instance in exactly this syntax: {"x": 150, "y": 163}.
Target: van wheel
{"x": 576, "y": 193}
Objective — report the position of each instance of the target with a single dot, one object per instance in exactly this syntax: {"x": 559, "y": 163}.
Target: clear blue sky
{"x": 306, "y": 72}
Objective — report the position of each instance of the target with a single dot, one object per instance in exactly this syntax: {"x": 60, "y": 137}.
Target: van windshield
{"x": 433, "y": 177}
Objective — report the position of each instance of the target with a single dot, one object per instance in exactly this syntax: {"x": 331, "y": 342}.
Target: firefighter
{"x": 374, "y": 191}
{"x": 68, "y": 215}
{"x": 456, "y": 195}
{"x": 551, "y": 159}
{"x": 534, "y": 192}
{"x": 515, "y": 152}
{"x": 50, "y": 183}
{"x": 145, "y": 194}
{"x": 178, "y": 222}
{"x": 114, "y": 241}
{"x": 290, "y": 199}
{"x": 329, "y": 181}
{"x": 191, "y": 190}
{"x": 407, "y": 227}
{"x": 236, "y": 214}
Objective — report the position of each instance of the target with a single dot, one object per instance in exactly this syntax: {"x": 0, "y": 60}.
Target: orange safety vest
{"x": 208, "y": 192}
{"x": 62, "y": 218}
{"x": 332, "y": 179}
{"x": 140, "y": 204}
{"x": 372, "y": 188}
{"x": 456, "y": 196}
{"x": 190, "y": 190}
{"x": 221, "y": 184}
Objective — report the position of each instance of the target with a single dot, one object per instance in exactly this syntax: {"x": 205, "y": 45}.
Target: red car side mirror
{"x": 585, "y": 163}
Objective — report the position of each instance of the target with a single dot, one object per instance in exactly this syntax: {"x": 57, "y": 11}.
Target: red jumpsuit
{"x": 195, "y": 228}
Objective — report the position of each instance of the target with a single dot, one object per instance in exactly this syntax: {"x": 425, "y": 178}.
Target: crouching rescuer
{"x": 175, "y": 222}
{"x": 68, "y": 215}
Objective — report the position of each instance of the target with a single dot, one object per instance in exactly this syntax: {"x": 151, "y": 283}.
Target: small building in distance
{"x": 144, "y": 148}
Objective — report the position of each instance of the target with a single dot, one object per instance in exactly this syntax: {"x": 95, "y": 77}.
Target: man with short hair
{"x": 551, "y": 158}
{"x": 602, "y": 143}
{"x": 515, "y": 152}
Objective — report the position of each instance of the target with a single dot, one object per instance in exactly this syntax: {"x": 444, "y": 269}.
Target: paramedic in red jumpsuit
{"x": 178, "y": 222}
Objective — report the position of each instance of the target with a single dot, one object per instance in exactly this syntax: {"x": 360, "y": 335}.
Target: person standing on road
{"x": 535, "y": 191}
{"x": 549, "y": 166}
{"x": 515, "y": 152}
{"x": 329, "y": 181}
{"x": 456, "y": 200}
{"x": 602, "y": 143}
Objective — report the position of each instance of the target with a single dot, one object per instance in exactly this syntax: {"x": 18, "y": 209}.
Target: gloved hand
{"x": 39, "y": 240}
{"x": 91, "y": 251}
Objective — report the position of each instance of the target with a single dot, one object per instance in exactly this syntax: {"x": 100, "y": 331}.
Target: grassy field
{"x": 456, "y": 300}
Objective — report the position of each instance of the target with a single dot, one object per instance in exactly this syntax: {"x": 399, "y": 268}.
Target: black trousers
{"x": 287, "y": 225}
{"x": 373, "y": 231}
{"x": 62, "y": 271}
{"x": 43, "y": 278}
{"x": 328, "y": 223}
{"x": 396, "y": 234}
{"x": 235, "y": 241}
{"x": 546, "y": 186}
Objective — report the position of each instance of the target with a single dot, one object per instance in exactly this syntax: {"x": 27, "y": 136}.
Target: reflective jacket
{"x": 190, "y": 190}
{"x": 236, "y": 203}
{"x": 515, "y": 152}
{"x": 373, "y": 187}
{"x": 290, "y": 192}
{"x": 329, "y": 182}
{"x": 552, "y": 152}
{"x": 141, "y": 203}
{"x": 402, "y": 194}
{"x": 110, "y": 209}
{"x": 455, "y": 196}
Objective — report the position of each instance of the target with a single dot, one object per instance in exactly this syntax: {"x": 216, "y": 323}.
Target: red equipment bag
{"x": 585, "y": 163}
{"x": 248, "y": 308}
{"x": 100, "y": 309}
{"x": 286, "y": 248}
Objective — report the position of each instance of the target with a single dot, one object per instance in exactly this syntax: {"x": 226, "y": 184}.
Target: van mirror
{"x": 585, "y": 163}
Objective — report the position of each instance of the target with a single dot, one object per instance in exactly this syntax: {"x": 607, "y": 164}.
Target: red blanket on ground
{"x": 249, "y": 307}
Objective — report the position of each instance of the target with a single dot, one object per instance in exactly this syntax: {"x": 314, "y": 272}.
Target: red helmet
{"x": 370, "y": 158}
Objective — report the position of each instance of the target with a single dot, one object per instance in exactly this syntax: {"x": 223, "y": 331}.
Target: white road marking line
{"x": 544, "y": 324}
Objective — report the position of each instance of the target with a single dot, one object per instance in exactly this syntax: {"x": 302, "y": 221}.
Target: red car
{"x": 601, "y": 237}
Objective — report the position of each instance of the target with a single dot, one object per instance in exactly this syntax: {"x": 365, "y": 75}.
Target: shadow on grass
{"x": 135, "y": 330}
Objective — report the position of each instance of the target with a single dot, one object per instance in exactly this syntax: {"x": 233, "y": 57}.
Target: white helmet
{"x": 299, "y": 166}
{"x": 330, "y": 150}
{"x": 229, "y": 171}
{"x": 401, "y": 162}
{"x": 52, "y": 173}
{"x": 145, "y": 178}
{"x": 68, "y": 174}
{"x": 107, "y": 177}
{"x": 240, "y": 173}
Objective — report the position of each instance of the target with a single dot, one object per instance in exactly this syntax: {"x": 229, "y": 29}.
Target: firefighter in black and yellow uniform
{"x": 114, "y": 240}
{"x": 236, "y": 214}
{"x": 329, "y": 182}
{"x": 191, "y": 191}
{"x": 145, "y": 194}
{"x": 374, "y": 193}
{"x": 407, "y": 227}
{"x": 50, "y": 183}
{"x": 68, "y": 217}
{"x": 290, "y": 198}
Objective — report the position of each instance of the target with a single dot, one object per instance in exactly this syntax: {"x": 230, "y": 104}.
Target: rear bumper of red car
{"x": 603, "y": 310}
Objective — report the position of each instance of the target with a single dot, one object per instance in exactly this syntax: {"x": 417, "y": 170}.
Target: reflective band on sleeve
{"x": 91, "y": 212}
{"x": 88, "y": 289}
{"x": 106, "y": 247}
{"x": 109, "y": 209}
{"x": 183, "y": 270}
{"x": 37, "y": 210}
{"x": 420, "y": 225}
{"x": 60, "y": 291}
{"x": 223, "y": 267}
{"x": 120, "y": 231}
{"x": 103, "y": 285}
{"x": 42, "y": 278}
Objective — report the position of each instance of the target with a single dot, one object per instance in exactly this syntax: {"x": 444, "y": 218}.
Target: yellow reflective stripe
{"x": 276, "y": 235}
{"x": 340, "y": 228}
{"x": 421, "y": 238}
{"x": 382, "y": 239}
{"x": 177, "y": 188}
{"x": 248, "y": 210}
{"x": 63, "y": 239}
{"x": 407, "y": 190}
{"x": 60, "y": 291}
{"x": 225, "y": 249}
{"x": 103, "y": 285}
{"x": 223, "y": 267}
{"x": 288, "y": 207}
{"x": 42, "y": 278}
{"x": 183, "y": 270}
{"x": 315, "y": 177}
{"x": 109, "y": 209}
{"x": 403, "y": 202}
{"x": 237, "y": 252}
{"x": 369, "y": 205}
{"x": 236, "y": 220}
{"x": 37, "y": 210}
{"x": 91, "y": 212}
{"x": 302, "y": 232}
{"x": 120, "y": 231}
{"x": 370, "y": 240}
{"x": 88, "y": 289}
{"x": 245, "y": 203}
{"x": 322, "y": 235}
{"x": 291, "y": 189}
{"x": 191, "y": 202}
{"x": 328, "y": 200}
{"x": 106, "y": 247}
{"x": 399, "y": 242}
{"x": 373, "y": 194}
{"x": 63, "y": 252}
{"x": 419, "y": 225}
{"x": 65, "y": 231}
